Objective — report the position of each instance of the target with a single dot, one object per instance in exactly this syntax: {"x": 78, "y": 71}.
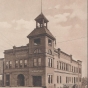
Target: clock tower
{"x": 41, "y": 52}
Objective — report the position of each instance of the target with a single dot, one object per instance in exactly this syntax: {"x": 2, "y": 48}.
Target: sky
{"x": 67, "y": 22}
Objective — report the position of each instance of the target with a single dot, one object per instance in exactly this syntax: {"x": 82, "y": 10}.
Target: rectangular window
{"x": 7, "y": 65}
{"x": 25, "y": 63}
{"x": 80, "y": 79}
{"x": 39, "y": 61}
{"x": 79, "y": 70}
{"x": 50, "y": 79}
{"x": 57, "y": 79}
{"x": 8, "y": 80}
{"x": 57, "y": 64}
{"x": 66, "y": 67}
{"x": 35, "y": 62}
{"x": 37, "y": 41}
{"x": 49, "y": 42}
{"x": 50, "y": 62}
{"x": 60, "y": 65}
{"x": 20, "y": 63}
{"x": 60, "y": 79}
{"x": 72, "y": 79}
{"x": 16, "y": 64}
{"x": 10, "y": 64}
{"x": 72, "y": 68}
{"x": 66, "y": 80}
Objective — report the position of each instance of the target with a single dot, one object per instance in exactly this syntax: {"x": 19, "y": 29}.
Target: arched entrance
{"x": 20, "y": 80}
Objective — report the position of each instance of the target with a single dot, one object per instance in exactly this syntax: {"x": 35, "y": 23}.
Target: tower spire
{"x": 41, "y": 6}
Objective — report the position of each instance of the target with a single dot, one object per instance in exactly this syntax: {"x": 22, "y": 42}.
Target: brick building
{"x": 39, "y": 63}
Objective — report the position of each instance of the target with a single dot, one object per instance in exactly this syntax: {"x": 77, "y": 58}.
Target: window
{"x": 66, "y": 79}
{"x": 36, "y": 51}
{"x": 79, "y": 70}
{"x": 50, "y": 62}
{"x": 16, "y": 64}
{"x": 72, "y": 68}
{"x": 57, "y": 79}
{"x": 25, "y": 63}
{"x": 80, "y": 79}
{"x": 64, "y": 66}
{"x": 37, "y": 41}
{"x": 57, "y": 64}
{"x": 39, "y": 61}
{"x": 35, "y": 62}
{"x": 10, "y": 64}
{"x": 50, "y": 79}
{"x": 8, "y": 80}
{"x": 49, "y": 42}
{"x": 60, "y": 79}
{"x": 74, "y": 79}
{"x": 20, "y": 63}
{"x": 7, "y": 64}
{"x": 60, "y": 65}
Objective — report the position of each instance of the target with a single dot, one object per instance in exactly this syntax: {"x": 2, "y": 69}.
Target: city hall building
{"x": 39, "y": 64}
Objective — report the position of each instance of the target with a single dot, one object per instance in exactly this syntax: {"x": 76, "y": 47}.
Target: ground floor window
{"x": 8, "y": 80}
{"x": 37, "y": 81}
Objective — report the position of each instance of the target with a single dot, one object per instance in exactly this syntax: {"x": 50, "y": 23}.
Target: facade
{"x": 39, "y": 64}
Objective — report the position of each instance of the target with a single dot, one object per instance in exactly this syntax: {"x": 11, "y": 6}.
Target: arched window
{"x": 37, "y": 51}
{"x": 49, "y": 51}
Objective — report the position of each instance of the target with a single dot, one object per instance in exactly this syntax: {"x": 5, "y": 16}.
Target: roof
{"x": 41, "y": 31}
{"x": 40, "y": 17}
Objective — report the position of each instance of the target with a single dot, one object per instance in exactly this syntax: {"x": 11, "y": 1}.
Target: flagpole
{"x": 41, "y": 6}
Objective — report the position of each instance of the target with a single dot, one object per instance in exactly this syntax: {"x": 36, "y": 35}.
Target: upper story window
{"x": 49, "y": 42}
{"x": 25, "y": 63}
{"x": 7, "y": 64}
{"x": 35, "y": 62}
{"x": 37, "y": 41}
{"x": 79, "y": 70}
{"x": 50, "y": 79}
{"x": 37, "y": 51}
{"x": 16, "y": 64}
{"x": 20, "y": 63}
{"x": 39, "y": 61}
{"x": 10, "y": 64}
{"x": 50, "y": 62}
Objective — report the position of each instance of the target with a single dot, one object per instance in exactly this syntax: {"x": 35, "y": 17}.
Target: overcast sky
{"x": 67, "y": 22}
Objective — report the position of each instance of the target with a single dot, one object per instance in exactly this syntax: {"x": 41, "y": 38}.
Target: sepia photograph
{"x": 43, "y": 44}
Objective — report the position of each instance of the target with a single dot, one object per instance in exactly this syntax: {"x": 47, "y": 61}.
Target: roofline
{"x": 42, "y": 35}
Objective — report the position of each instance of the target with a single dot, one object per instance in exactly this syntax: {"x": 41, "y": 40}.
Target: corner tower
{"x": 41, "y": 52}
{"x": 41, "y": 37}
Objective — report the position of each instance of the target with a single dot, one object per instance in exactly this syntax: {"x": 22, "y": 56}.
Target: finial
{"x": 41, "y": 6}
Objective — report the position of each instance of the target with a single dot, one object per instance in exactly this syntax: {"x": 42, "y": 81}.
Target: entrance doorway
{"x": 37, "y": 81}
{"x": 20, "y": 80}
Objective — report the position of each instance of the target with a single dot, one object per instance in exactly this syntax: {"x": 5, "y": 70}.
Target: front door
{"x": 20, "y": 80}
{"x": 37, "y": 81}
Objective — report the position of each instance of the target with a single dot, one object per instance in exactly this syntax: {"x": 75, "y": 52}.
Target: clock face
{"x": 49, "y": 51}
